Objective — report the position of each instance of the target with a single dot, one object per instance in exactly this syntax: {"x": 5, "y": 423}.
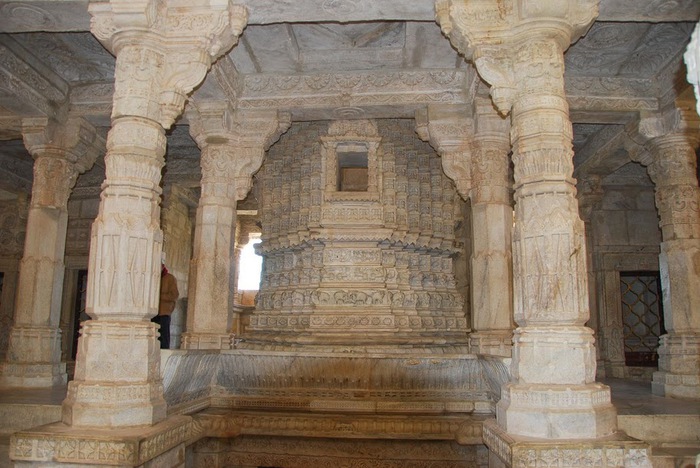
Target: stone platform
{"x": 215, "y": 398}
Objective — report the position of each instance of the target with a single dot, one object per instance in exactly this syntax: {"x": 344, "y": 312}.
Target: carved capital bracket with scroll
{"x": 62, "y": 151}
{"x": 163, "y": 50}
{"x": 489, "y": 34}
{"x": 233, "y": 145}
{"x": 450, "y": 130}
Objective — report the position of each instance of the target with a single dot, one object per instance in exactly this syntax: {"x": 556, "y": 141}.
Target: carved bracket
{"x": 181, "y": 42}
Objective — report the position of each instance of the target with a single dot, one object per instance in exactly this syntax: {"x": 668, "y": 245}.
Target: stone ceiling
{"x": 387, "y": 59}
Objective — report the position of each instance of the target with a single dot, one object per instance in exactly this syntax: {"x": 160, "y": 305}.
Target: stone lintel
{"x": 591, "y": 99}
{"x": 602, "y": 155}
{"x": 519, "y": 452}
{"x": 59, "y": 443}
{"x": 71, "y": 15}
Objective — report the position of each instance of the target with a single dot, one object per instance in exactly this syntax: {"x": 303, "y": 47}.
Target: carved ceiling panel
{"x": 364, "y": 58}
{"x": 636, "y": 50}
{"x": 75, "y": 57}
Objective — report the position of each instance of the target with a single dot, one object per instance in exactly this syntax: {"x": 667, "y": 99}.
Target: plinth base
{"x": 58, "y": 443}
{"x": 617, "y": 450}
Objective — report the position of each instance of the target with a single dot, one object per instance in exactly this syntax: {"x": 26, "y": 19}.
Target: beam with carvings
{"x": 344, "y": 95}
{"x": 603, "y": 154}
{"x": 27, "y": 86}
{"x": 71, "y": 15}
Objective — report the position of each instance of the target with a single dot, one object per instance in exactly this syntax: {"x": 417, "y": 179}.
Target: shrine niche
{"x": 357, "y": 266}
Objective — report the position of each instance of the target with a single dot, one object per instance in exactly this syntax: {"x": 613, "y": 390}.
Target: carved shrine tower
{"x": 358, "y": 240}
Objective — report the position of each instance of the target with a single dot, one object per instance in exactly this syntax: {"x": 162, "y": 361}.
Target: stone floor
{"x": 672, "y": 426}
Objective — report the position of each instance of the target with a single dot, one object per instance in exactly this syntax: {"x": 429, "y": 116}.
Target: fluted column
{"x": 518, "y": 49}
{"x": 61, "y": 151}
{"x": 233, "y": 146}
{"x": 163, "y": 51}
{"x": 671, "y": 141}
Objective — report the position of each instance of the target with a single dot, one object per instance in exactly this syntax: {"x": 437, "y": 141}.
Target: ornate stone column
{"x": 671, "y": 141}
{"x": 163, "y": 50}
{"x": 233, "y": 146}
{"x": 518, "y": 49}
{"x": 474, "y": 147}
{"x": 492, "y": 223}
{"x": 62, "y": 151}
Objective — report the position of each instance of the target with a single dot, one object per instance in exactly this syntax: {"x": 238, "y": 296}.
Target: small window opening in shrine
{"x": 352, "y": 171}
{"x": 642, "y": 317}
{"x": 250, "y": 266}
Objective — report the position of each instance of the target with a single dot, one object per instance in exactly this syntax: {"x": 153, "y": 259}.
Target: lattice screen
{"x": 642, "y": 316}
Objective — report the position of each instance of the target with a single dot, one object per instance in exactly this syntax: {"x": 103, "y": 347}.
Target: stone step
{"x": 663, "y": 429}
{"x": 18, "y": 416}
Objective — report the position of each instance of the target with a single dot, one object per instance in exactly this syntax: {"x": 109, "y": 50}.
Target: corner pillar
{"x": 233, "y": 146}
{"x": 672, "y": 164}
{"x": 61, "y": 151}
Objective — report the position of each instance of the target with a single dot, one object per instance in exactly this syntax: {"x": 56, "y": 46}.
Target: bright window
{"x": 250, "y": 266}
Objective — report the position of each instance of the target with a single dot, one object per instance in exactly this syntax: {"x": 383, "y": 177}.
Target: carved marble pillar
{"x": 163, "y": 50}
{"x": 518, "y": 49}
{"x": 233, "y": 147}
{"x": 590, "y": 195}
{"x": 671, "y": 163}
{"x": 61, "y": 150}
{"x": 474, "y": 146}
{"x": 492, "y": 223}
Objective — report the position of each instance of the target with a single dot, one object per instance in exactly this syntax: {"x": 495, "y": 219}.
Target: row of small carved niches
{"x": 418, "y": 202}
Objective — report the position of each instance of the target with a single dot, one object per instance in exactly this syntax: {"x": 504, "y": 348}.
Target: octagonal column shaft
{"x": 61, "y": 152}
{"x": 673, "y": 169}
{"x": 160, "y": 58}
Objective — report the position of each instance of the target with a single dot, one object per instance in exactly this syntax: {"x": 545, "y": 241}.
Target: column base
{"x": 207, "y": 341}
{"x": 679, "y": 367}
{"x": 33, "y": 358}
{"x": 56, "y": 444}
{"x": 117, "y": 377}
{"x": 616, "y": 450}
{"x": 492, "y": 342}
{"x": 557, "y": 411}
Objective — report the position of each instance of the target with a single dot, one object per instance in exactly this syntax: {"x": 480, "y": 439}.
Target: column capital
{"x": 490, "y": 34}
{"x": 233, "y": 145}
{"x": 165, "y": 48}
{"x": 590, "y": 194}
{"x": 450, "y": 130}
{"x": 665, "y": 142}
{"x": 62, "y": 151}
{"x": 76, "y": 139}
{"x": 680, "y": 119}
